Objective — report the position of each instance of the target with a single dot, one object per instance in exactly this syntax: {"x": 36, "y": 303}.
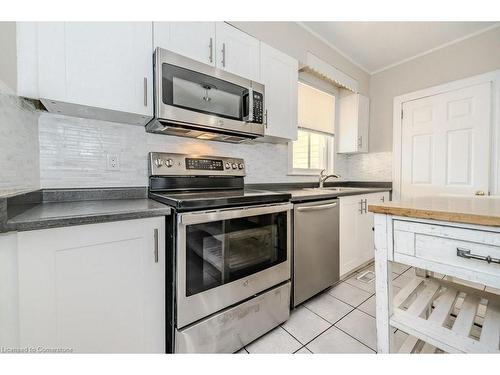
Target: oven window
{"x": 198, "y": 92}
{"x": 220, "y": 252}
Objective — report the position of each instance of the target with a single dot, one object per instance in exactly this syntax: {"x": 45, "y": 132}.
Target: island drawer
{"x": 471, "y": 249}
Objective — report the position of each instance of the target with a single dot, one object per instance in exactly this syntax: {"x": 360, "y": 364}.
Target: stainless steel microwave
{"x": 196, "y": 100}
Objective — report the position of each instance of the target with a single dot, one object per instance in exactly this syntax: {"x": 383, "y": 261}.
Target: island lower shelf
{"x": 444, "y": 316}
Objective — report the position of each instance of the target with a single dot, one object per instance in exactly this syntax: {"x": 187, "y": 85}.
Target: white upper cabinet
{"x": 353, "y": 124}
{"x": 215, "y": 43}
{"x": 279, "y": 74}
{"x": 105, "y": 65}
{"x": 237, "y": 52}
{"x": 195, "y": 40}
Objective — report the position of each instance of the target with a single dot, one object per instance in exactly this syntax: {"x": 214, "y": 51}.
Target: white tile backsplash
{"x": 374, "y": 166}
{"x": 19, "y": 168}
{"x": 73, "y": 154}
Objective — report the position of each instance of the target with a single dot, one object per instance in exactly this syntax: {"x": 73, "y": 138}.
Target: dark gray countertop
{"x": 31, "y": 211}
{"x": 50, "y": 208}
{"x": 305, "y": 195}
{"x": 60, "y": 214}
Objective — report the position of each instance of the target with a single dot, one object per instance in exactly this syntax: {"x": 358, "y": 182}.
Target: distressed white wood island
{"x": 450, "y": 238}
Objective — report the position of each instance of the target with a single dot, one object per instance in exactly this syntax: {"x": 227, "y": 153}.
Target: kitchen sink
{"x": 335, "y": 189}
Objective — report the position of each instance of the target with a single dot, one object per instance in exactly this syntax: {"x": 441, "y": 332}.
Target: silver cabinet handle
{"x": 383, "y": 198}
{"x": 145, "y": 92}
{"x": 211, "y": 50}
{"x": 265, "y": 118}
{"x": 157, "y": 245}
{"x": 317, "y": 208}
{"x": 224, "y": 55}
{"x": 363, "y": 205}
{"x": 360, "y": 141}
{"x": 466, "y": 253}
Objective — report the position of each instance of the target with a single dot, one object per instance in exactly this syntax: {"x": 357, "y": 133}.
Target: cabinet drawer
{"x": 442, "y": 244}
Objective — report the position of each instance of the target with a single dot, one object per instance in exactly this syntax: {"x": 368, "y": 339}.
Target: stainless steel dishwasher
{"x": 316, "y": 248}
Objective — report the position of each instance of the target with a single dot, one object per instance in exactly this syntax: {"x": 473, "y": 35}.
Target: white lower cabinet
{"x": 356, "y": 230}
{"x": 9, "y": 334}
{"x": 96, "y": 288}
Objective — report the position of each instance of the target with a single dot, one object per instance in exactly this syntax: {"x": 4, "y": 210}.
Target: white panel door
{"x": 237, "y": 52}
{"x": 446, "y": 143}
{"x": 279, "y": 74}
{"x": 98, "y": 64}
{"x": 93, "y": 288}
{"x": 195, "y": 40}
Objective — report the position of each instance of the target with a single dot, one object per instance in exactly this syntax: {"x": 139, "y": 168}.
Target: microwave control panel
{"x": 258, "y": 107}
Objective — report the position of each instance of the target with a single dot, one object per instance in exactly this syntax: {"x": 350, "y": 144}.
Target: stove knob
{"x": 169, "y": 163}
{"x": 228, "y": 166}
{"x": 240, "y": 166}
{"x": 158, "y": 162}
{"x": 235, "y": 166}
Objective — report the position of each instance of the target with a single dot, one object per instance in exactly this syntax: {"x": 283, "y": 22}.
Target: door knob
{"x": 480, "y": 193}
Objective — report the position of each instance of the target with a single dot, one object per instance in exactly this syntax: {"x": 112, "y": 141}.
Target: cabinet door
{"x": 98, "y": 64}
{"x": 237, "y": 52}
{"x": 350, "y": 221}
{"x": 279, "y": 74}
{"x": 9, "y": 332}
{"x": 94, "y": 288}
{"x": 365, "y": 227}
{"x": 195, "y": 40}
{"x": 353, "y": 124}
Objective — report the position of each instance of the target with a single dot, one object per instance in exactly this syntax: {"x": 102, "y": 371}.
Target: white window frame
{"x": 325, "y": 87}
{"x": 313, "y": 171}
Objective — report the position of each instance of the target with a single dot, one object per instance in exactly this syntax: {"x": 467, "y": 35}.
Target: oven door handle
{"x": 233, "y": 213}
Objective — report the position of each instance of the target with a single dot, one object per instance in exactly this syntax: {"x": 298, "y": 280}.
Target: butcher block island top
{"x": 468, "y": 210}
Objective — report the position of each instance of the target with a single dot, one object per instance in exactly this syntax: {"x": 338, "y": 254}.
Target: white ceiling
{"x": 375, "y": 46}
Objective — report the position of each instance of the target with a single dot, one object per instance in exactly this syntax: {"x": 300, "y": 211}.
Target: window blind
{"x": 316, "y": 109}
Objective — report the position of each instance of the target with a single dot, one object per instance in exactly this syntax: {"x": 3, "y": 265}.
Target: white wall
{"x": 476, "y": 55}
{"x": 19, "y": 166}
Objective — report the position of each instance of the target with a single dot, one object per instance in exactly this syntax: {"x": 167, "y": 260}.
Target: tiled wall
{"x": 19, "y": 167}
{"x": 73, "y": 153}
{"x": 375, "y": 166}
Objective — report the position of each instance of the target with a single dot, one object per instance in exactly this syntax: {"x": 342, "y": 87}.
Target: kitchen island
{"x": 450, "y": 238}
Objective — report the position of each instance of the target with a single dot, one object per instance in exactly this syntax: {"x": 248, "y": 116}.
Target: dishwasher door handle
{"x": 317, "y": 208}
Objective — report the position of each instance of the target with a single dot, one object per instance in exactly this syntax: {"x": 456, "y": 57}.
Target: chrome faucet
{"x": 323, "y": 177}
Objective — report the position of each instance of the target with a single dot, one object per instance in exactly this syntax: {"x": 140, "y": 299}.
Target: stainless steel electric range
{"x": 228, "y": 253}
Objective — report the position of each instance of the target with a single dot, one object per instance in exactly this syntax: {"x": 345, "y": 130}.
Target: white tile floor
{"x": 339, "y": 320}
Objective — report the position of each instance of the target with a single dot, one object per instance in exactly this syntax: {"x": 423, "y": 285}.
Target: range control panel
{"x": 170, "y": 164}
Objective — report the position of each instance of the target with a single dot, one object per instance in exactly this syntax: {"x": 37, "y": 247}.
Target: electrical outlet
{"x": 113, "y": 162}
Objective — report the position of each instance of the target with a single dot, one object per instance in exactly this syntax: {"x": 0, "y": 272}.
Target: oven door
{"x": 201, "y": 96}
{"x": 227, "y": 256}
